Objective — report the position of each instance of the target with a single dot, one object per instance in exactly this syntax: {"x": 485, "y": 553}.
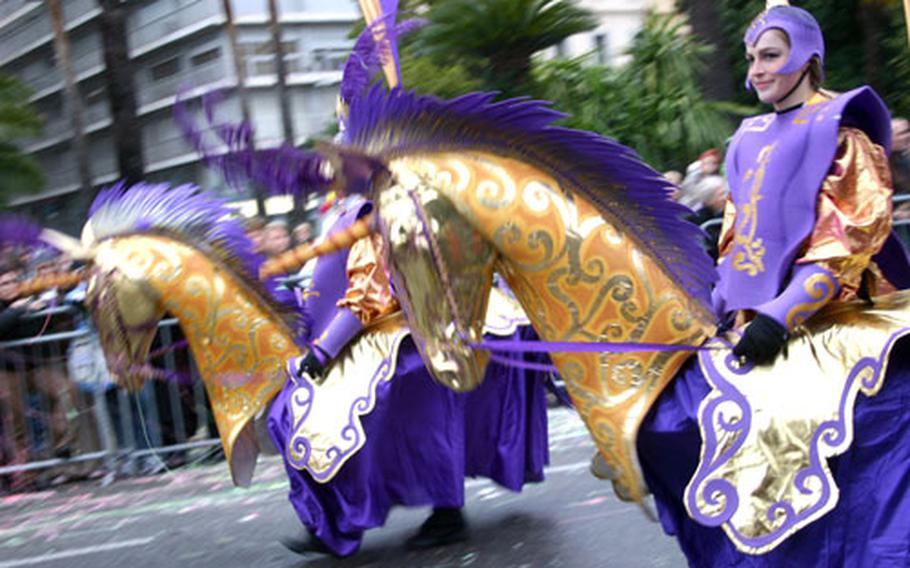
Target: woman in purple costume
{"x": 421, "y": 439}
{"x": 807, "y": 223}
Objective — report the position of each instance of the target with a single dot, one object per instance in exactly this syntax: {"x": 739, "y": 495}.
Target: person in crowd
{"x": 254, "y": 231}
{"x": 303, "y": 233}
{"x": 275, "y": 238}
{"x": 710, "y": 215}
{"x": 701, "y": 179}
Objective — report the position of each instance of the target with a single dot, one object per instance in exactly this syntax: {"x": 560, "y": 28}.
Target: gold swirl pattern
{"x": 239, "y": 345}
{"x": 821, "y": 287}
{"x": 578, "y": 278}
{"x": 748, "y": 252}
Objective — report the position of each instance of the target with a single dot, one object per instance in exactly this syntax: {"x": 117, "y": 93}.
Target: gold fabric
{"x": 443, "y": 272}
{"x": 239, "y": 344}
{"x": 788, "y": 402}
{"x": 577, "y": 277}
{"x": 854, "y": 211}
{"x": 368, "y": 295}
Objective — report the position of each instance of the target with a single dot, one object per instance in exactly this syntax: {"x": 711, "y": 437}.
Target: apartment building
{"x": 618, "y": 22}
{"x": 171, "y": 43}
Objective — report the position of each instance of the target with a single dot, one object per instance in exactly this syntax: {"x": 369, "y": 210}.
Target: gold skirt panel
{"x": 768, "y": 431}
{"x": 327, "y": 416}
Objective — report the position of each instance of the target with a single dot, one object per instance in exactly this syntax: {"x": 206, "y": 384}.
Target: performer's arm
{"x": 853, "y": 221}
{"x": 724, "y": 242}
{"x": 368, "y": 297}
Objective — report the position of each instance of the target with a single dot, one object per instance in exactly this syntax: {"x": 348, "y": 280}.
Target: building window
{"x": 561, "y": 49}
{"x": 205, "y": 57}
{"x": 329, "y": 58}
{"x": 260, "y": 56}
{"x": 165, "y": 69}
{"x": 601, "y": 49}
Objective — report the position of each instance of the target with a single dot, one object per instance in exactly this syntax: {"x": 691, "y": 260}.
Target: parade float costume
{"x": 748, "y": 464}
{"x": 378, "y": 431}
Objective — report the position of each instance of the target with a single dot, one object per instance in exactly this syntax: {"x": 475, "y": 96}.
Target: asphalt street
{"x": 195, "y": 517}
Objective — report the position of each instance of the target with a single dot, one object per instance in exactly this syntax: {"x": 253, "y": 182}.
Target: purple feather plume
{"x": 282, "y": 170}
{"x": 632, "y": 195}
{"x": 368, "y": 56}
{"x": 16, "y": 230}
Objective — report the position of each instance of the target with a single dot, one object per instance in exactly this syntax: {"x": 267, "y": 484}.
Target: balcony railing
{"x": 35, "y": 29}
{"x": 151, "y": 27}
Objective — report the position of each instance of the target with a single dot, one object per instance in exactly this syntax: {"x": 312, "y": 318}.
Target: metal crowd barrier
{"x": 54, "y": 424}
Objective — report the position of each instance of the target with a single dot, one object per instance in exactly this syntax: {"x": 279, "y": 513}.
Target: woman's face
{"x": 768, "y": 55}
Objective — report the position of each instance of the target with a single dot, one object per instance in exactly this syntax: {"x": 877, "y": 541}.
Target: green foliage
{"x": 653, "y": 105}
{"x": 18, "y": 173}
{"x": 495, "y": 40}
{"x": 424, "y": 75}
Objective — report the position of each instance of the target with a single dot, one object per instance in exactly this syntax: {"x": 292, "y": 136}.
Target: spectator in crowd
{"x": 701, "y": 179}
{"x": 900, "y": 166}
{"x": 711, "y": 213}
{"x": 675, "y": 178}
{"x": 275, "y": 238}
{"x": 254, "y": 230}
{"x": 303, "y": 233}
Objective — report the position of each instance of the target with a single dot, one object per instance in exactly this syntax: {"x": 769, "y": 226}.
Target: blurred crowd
{"x": 58, "y": 403}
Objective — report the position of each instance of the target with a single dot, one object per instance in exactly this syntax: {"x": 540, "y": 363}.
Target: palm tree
{"x": 653, "y": 105}
{"x": 284, "y": 102}
{"x": 497, "y": 38}
{"x": 121, "y": 93}
{"x": 240, "y": 73}
{"x": 284, "y": 99}
{"x": 19, "y": 173}
{"x": 75, "y": 106}
{"x": 717, "y": 77}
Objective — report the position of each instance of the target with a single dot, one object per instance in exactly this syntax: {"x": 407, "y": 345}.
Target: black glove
{"x": 762, "y": 341}
{"x": 312, "y": 366}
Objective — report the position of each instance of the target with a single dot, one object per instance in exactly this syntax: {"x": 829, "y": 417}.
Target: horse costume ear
{"x": 354, "y": 172}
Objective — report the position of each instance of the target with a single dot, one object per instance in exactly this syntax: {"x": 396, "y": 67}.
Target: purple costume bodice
{"x": 775, "y": 166}
{"x": 330, "y": 279}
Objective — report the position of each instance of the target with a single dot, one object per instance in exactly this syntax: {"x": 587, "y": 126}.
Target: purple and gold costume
{"x": 774, "y": 466}
{"x": 379, "y": 431}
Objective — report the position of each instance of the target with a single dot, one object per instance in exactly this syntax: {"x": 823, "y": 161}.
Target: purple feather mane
{"x": 16, "y": 230}
{"x": 636, "y": 198}
{"x": 282, "y": 170}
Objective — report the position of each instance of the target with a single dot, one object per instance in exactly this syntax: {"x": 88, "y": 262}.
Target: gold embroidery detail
{"x": 821, "y": 288}
{"x": 748, "y": 251}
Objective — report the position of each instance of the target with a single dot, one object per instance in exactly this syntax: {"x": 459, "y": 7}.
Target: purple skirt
{"x": 422, "y": 441}
{"x": 869, "y": 527}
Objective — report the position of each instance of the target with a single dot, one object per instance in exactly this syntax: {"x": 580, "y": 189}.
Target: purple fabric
{"x": 788, "y": 160}
{"x": 422, "y": 441}
{"x": 805, "y": 35}
{"x": 330, "y": 279}
{"x": 796, "y": 293}
{"x": 894, "y": 263}
{"x": 343, "y": 327}
{"x": 869, "y": 526}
